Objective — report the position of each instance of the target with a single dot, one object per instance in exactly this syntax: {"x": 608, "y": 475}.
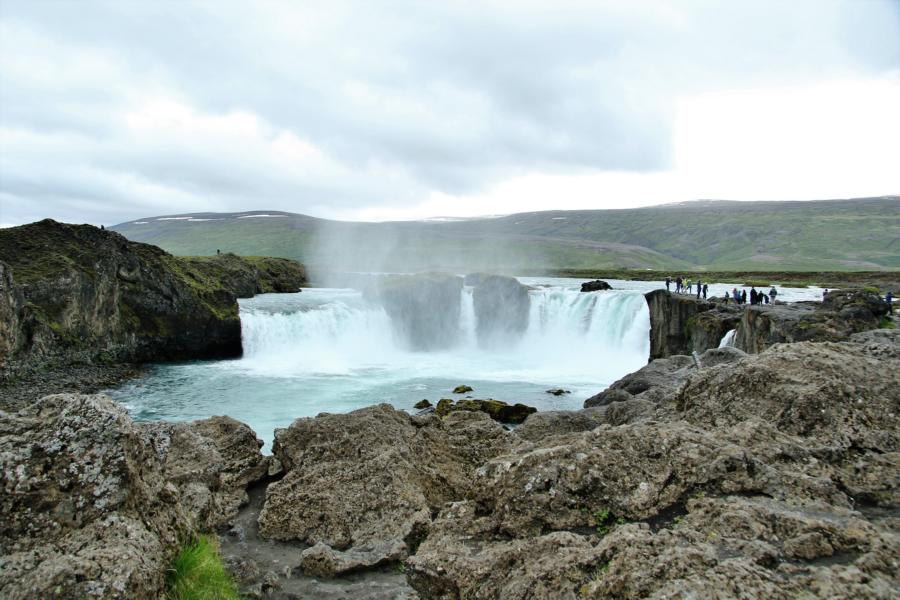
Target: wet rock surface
{"x": 598, "y": 285}
{"x": 497, "y": 410}
{"x": 502, "y": 306}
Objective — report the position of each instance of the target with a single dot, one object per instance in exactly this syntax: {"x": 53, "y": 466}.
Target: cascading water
{"x": 728, "y": 339}
{"x": 331, "y": 350}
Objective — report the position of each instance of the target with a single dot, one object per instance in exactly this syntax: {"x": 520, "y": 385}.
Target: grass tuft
{"x": 198, "y": 574}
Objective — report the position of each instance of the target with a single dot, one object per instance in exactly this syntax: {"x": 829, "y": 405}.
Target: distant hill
{"x": 857, "y": 234}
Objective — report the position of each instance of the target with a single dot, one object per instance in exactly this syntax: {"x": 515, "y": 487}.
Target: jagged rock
{"x": 502, "y": 306}
{"x": 422, "y": 404}
{"x": 424, "y": 308}
{"x": 86, "y": 508}
{"x": 547, "y": 423}
{"x": 498, "y": 410}
{"x": 462, "y": 389}
{"x": 609, "y": 395}
{"x": 212, "y": 462}
{"x": 841, "y": 314}
{"x": 323, "y": 561}
{"x": 837, "y": 392}
{"x": 372, "y": 477}
{"x": 595, "y": 286}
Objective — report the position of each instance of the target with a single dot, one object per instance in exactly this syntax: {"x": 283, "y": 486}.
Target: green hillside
{"x": 837, "y": 235}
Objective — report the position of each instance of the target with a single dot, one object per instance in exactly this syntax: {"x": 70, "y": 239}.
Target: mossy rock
{"x": 462, "y": 389}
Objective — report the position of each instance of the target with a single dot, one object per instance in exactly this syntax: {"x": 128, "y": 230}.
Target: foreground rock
{"x": 367, "y": 483}
{"x": 769, "y": 476}
{"x": 94, "y": 506}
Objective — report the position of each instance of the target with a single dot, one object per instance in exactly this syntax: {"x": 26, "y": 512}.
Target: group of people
{"x": 740, "y": 297}
{"x": 686, "y": 286}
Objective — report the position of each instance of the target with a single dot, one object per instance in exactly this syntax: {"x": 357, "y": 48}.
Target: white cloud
{"x": 114, "y": 111}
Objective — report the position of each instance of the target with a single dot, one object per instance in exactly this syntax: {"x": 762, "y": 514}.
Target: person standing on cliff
{"x": 699, "y": 288}
{"x": 889, "y": 298}
{"x": 772, "y": 293}
{"x": 726, "y": 296}
{"x": 753, "y": 297}
{"x": 678, "y": 285}
{"x": 743, "y": 296}
{"x": 705, "y": 289}
{"x": 668, "y": 282}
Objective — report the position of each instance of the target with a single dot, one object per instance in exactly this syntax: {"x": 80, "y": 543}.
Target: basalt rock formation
{"x": 76, "y": 293}
{"x": 502, "y": 306}
{"x": 841, "y": 314}
{"x": 424, "y": 308}
{"x": 682, "y": 324}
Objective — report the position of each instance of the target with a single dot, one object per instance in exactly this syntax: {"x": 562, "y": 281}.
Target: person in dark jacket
{"x": 889, "y": 298}
{"x": 668, "y": 282}
{"x": 699, "y": 288}
{"x": 753, "y": 297}
{"x": 743, "y": 296}
{"x": 773, "y": 293}
{"x": 705, "y": 289}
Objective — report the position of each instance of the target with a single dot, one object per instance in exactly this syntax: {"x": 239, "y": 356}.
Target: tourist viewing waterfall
{"x": 335, "y": 350}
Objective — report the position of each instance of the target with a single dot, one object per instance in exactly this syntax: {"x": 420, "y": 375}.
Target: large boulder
{"x": 498, "y": 410}
{"x": 370, "y": 480}
{"x": 598, "y": 285}
{"x": 502, "y": 306}
{"x": 95, "y": 505}
{"x": 87, "y": 511}
{"x": 212, "y": 462}
{"x": 424, "y": 308}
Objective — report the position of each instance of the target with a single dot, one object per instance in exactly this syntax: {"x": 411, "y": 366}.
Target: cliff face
{"x": 682, "y": 324}
{"x": 843, "y": 313}
{"x": 78, "y": 293}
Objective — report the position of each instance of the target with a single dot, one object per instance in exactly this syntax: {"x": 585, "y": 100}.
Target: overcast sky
{"x": 111, "y": 111}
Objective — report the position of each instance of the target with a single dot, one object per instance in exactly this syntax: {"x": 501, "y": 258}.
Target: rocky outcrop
{"x": 769, "y": 476}
{"x": 682, "y": 324}
{"x": 424, "y": 308}
{"x": 598, "y": 285}
{"x": 663, "y": 376}
{"x": 502, "y": 306}
{"x": 95, "y": 505}
{"x": 369, "y": 481}
{"x": 12, "y": 308}
{"x": 91, "y": 295}
{"x": 211, "y": 462}
{"x": 496, "y": 409}
{"x": 841, "y": 314}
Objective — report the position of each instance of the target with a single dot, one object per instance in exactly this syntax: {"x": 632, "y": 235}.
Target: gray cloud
{"x": 393, "y": 100}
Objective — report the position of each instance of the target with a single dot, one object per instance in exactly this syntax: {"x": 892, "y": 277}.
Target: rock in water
{"x": 424, "y": 308}
{"x": 498, "y": 411}
{"x": 502, "y": 306}
{"x": 597, "y": 285}
{"x": 422, "y": 404}
{"x": 462, "y": 389}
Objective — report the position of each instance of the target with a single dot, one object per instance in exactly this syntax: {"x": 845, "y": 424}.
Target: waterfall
{"x": 569, "y": 334}
{"x": 728, "y": 339}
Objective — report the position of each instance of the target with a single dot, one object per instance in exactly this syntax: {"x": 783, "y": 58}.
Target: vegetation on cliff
{"x": 76, "y": 292}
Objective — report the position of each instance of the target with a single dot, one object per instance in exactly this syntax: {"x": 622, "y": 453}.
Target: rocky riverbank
{"x": 768, "y": 475}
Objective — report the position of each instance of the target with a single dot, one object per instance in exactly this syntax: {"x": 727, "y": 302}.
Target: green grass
{"x": 839, "y": 235}
{"x": 198, "y": 574}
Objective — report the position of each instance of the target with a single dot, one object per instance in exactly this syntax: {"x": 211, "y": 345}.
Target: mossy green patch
{"x": 197, "y": 573}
